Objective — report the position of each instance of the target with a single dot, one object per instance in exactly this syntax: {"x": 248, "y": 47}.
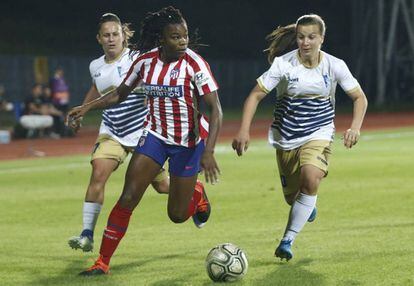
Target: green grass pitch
{"x": 363, "y": 234}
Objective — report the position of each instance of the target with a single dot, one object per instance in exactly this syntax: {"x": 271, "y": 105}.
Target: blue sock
{"x": 88, "y": 233}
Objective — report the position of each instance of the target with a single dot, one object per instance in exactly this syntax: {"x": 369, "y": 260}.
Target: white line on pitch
{"x": 37, "y": 169}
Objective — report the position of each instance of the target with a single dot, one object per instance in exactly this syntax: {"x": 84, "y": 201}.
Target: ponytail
{"x": 282, "y": 40}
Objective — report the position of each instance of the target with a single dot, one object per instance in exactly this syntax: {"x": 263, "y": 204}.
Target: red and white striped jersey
{"x": 174, "y": 91}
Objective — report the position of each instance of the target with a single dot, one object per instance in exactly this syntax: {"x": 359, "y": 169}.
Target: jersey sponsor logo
{"x": 163, "y": 91}
{"x": 174, "y": 73}
{"x": 119, "y": 71}
{"x": 97, "y": 74}
{"x": 201, "y": 78}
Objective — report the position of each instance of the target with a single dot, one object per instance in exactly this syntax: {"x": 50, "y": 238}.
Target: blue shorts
{"x": 183, "y": 161}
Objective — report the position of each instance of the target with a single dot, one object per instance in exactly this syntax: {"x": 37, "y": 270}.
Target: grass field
{"x": 363, "y": 234}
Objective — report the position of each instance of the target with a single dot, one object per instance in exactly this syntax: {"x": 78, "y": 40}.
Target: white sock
{"x": 90, "y": 215}
{"x": 299, "y": 214}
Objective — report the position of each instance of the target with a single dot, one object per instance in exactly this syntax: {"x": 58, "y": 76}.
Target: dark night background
{"x": 234, "y": 29}
{"x": 64, "y": 31}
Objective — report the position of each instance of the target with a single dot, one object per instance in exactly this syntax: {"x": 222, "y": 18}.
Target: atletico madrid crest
{"x": 174, "y": 73}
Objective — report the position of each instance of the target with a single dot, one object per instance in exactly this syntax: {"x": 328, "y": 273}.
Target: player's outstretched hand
{"x": 77, "y": 111}
{"x": 241, "y": 143}
{"x": 74, "y": 124}
{"x": 210, "y": 167}
{"x": 74, "y": 117}
{"x": 351, "y": 137}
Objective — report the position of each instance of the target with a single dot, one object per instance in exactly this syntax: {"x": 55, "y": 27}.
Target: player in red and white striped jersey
{"x": 175, "y": 79}
{"x": 116, "y": 138}
{"x": 174, "y": 91}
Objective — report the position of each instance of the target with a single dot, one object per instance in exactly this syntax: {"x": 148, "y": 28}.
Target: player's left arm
{"x": 208, "y": 162}
{"x": 360, "y": 104}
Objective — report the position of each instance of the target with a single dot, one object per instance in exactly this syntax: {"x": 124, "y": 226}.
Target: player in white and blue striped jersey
{"x": 121, "y": 125}
{"x": 302, "y": 131}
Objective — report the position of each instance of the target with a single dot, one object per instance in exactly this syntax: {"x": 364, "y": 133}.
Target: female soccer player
{"x": 303, "y": 128}
{"x": 175, "y": 79}
{"x": 121, "y": 124}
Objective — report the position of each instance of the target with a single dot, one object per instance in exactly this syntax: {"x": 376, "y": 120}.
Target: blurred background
{"x": 375, "y": 38}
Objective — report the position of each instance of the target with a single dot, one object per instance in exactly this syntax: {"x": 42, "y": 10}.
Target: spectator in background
{"x": 60, "y": 90}
{"x": 4, "y": 104}
{"x": 38, "y": 112}
{"x": 59, "y": 128}
{"x": 34, "y": 103}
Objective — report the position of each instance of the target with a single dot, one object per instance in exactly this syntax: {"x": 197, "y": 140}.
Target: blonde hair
{"x": 283, "y": 38}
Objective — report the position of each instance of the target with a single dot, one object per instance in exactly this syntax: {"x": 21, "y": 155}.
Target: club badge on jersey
{"x": 174, "y": 73}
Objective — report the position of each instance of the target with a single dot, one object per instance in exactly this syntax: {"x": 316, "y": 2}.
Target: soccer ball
{"x": 226, "y": 263}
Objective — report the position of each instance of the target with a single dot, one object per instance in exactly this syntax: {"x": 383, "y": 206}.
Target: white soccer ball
{"x": 226, "y": 263}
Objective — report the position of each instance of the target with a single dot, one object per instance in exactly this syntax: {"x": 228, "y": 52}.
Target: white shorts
{"x": 36, "y": 121}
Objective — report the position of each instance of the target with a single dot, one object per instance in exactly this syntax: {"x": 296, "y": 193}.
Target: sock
{"x": 90, "y": 216}
{"x": 299, "y": 214}
{"x": 115, "y": 230}
{"x": 192, "y": 206}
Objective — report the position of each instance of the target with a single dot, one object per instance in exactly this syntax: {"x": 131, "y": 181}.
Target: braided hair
{"x": 283, "y": 39}
{"x": 153, "y": 25}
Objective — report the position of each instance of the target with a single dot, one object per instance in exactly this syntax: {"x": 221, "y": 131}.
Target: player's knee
{"x": 161, "y": 187}
{"x": 176, "y": 217}
{"x": 99, "y": 178}
{"x": 290, "y": 199}
{"x": 129, "y": 199}
{"x": 96, "y": 188}
{"x": 310, "y": 185}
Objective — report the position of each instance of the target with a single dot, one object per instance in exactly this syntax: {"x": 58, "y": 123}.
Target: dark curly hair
{"x": 153, "y": 25}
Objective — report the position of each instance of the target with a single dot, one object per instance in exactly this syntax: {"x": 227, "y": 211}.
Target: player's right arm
{"x": 265, "y": 83}
{"x": 114, "y": 97}
{"x": 241, "y": 141}
{"x": 91, "y": 95}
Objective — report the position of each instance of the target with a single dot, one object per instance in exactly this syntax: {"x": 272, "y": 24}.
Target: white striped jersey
{"x": 174, "y": 91}
{"x": 305, "y": 100}
{"x": 124, "y": 121}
